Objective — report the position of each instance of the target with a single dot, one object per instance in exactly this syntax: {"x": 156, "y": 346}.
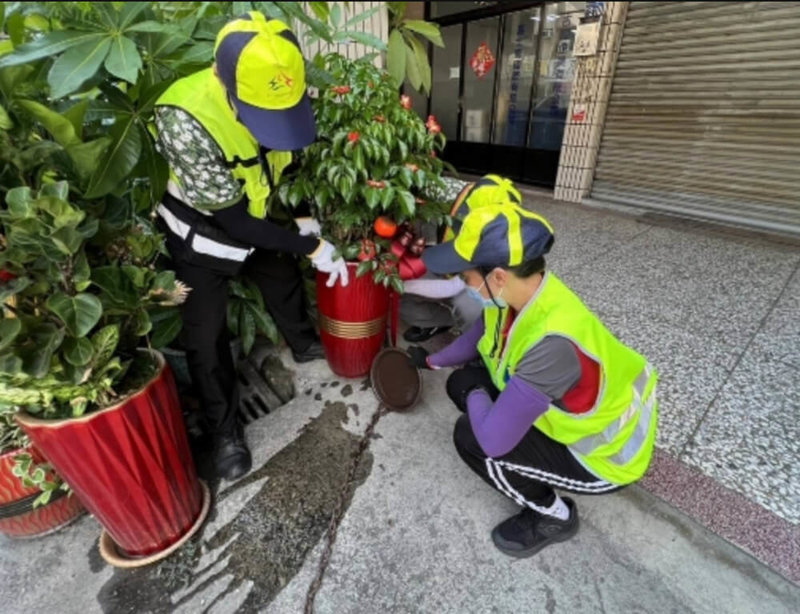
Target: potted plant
{"x": 34, "y": 501}
{"x": 372, "y": 171}
{"x": 103, "y": 412}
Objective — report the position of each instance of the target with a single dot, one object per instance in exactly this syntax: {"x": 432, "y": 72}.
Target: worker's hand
{"x": 307, "y": 226}
{"x": 418, "y": 357}
{"x": 322, "y": 259}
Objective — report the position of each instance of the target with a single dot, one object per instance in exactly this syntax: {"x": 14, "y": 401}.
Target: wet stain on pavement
{"x": 266, "y": 541}
{"x": 347, "y": 390}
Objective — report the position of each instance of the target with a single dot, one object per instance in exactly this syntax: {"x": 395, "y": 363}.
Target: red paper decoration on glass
{"x": 482, "y": 60}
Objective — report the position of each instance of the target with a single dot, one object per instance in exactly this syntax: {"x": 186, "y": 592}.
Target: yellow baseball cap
{"x": 260, "y": 63}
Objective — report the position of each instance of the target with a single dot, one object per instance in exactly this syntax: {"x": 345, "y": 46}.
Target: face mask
{"x": 475, "y": 294}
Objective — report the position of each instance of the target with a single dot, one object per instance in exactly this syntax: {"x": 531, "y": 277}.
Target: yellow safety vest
{"x": 615, "y": 439}
{"x": 202, "y": 96}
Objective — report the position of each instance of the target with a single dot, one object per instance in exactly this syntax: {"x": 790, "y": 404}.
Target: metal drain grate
{"x": 256, "y": 397}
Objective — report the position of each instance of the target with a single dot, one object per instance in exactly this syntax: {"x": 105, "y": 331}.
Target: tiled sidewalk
{"x": 718, "y": 314}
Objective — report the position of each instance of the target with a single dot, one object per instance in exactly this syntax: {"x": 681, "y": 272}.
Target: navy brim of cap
{"x": 443, "y": 260}
{"x": 282, "y": 130}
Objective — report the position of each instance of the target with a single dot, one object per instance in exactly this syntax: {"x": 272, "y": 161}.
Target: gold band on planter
{"x": 352, "y": 330}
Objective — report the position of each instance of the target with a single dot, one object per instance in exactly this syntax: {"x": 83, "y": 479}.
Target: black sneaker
{"x": 312, "y": 352}
{"x": 415, "y": 334}
{"x": 529, "y": 531}
{"x": 231, "y": 457}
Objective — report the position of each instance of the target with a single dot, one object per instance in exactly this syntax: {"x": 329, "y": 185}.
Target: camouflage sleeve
{"x": 448, "y": 194}
{"x": 196, "y": 160}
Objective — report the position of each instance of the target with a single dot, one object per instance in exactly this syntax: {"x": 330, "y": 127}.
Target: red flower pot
{"x": 18, "y": 517}
{"x": 131, "y": 467}
{"x": 352, "y": 322}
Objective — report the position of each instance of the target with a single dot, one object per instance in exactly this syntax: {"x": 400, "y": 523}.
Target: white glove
{"x": 308, "y": 226}
{"x": 322, "y": 259}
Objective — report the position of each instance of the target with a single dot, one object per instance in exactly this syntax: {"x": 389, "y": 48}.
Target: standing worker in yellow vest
{"x": 559, "y": 402}
{"x": 227, "y": 133}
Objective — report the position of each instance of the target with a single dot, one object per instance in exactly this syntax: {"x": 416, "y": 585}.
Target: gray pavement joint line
{"x": 338, "y": 511}
{"x": 739, "y": 358}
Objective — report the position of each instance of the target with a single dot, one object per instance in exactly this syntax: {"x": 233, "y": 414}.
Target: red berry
{"x": 405, "y": 101}
{"x": 353, "y": 136}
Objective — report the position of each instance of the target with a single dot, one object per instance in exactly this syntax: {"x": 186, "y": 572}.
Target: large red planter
{"x": 130, "y": 465}
{"x": 18, "y": 517}
{"x": 352, "y": 322}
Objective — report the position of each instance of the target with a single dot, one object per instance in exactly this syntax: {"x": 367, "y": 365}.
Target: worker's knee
{"x": 458, "y": 383}
{"x": 464, "y": 438}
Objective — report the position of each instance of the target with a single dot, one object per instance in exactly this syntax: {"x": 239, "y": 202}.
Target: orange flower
{"x": 353, "y": 136}
{"x": 432, "y": 125}
{"x": 341, "y": 89}
{"x": 376, "y": 184}
{"x": 405, "y": 101}
{"x": 412, "y": 167}
{"x": 379, "y": 118}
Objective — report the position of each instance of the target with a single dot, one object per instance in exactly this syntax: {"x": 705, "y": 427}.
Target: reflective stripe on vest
{"x": 201, "y": 244}
{"x": 202, "y": 96}
{"x": 639, "y": 409}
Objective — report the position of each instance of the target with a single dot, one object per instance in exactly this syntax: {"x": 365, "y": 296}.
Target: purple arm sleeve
{"x": 500, "y": 427}
{"x": 462, "y": 350}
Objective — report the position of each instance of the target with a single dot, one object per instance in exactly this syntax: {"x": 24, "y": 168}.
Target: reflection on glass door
{"x": 517, "y": 67}
{"x": 445, "y": 78}
{"x": 555, "y": 73}
{"x": 479, "y": 73}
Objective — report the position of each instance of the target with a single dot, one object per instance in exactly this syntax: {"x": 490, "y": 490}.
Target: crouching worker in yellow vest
{"x": 559, "y": 404}
{"x": 227, "y": 133}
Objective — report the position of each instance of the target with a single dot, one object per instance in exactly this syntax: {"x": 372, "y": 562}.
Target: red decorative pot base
{"x": 352, "y": 322}
{"x": 18, "y": 517}
{"x": 115, "y": 556}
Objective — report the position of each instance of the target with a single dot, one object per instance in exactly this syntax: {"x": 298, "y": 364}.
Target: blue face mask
{"x": 475, "y": 294}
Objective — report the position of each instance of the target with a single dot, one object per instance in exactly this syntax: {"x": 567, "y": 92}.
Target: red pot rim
{"x": 25, "y": 418}
{"x": 15, "y": 452}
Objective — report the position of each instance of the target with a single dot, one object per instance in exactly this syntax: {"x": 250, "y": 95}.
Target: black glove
{"x": 417, "y": 356}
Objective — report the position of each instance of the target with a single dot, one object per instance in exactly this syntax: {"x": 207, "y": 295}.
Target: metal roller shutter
{"x": 704, "y": 114}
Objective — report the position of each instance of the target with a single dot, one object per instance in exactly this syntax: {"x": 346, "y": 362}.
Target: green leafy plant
{"x": 373, "y": 157}
{"x": 80, "y": 309}
{"x": 247, "y": 315}
{"x": 407, "y": 57}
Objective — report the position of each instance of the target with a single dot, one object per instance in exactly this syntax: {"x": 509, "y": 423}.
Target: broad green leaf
{"x": 336, "y": 14}
{"x": 143, "y": 323}
{"x": 5, "y": 120}
{"x": 76, "y": 114}
{"x": 9, "y": 329}
{"x": 19, "y": 201}
{"x": 117, "y": 287}
{"x": 86, "y": 156}
{"x": 48, "y": 45}
{"x": 3, "y": 15}
{"x": 119, "y": 160}
{"x": 77, "y": 65}
{"x": 67, "y": 240}
{"x": 15, "y": 26}
{"x": 153, "y": 26}
{"x": 264, "y": 322}
{"x": 58, "y": 190}
{"x": 78, "y": 352}
{"x": 46, "y": 339}
{"x": 10, "y": 364}
{"x": 373, "y": 197}
{"x": 387, "y": 197}
{"x": 81, "y": 273}
{"x": 321, "y": 10}
{"x": 79, "y": 313}
{"x": 363, "y": 268}
{"x": 155, "y": 166}
{"x": 129, "y": 12}
{"x": 123, "y": 59}
{"x": 357, "y": 19}
{"x": 370, "y": 40}
{"x": 167, "y": 325}
{"x": 55, "y": 123}
{"x": 15, "y": 286}
{"x": 396, "y": 57}
{"x": 407, "y": 202}
{"x": 105, "y": 343}
{"x": 412, "y": 68}
{"x": 426, "y": 29}
{"x": 247, "y": 330}
{"x": 423, "y": 63}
